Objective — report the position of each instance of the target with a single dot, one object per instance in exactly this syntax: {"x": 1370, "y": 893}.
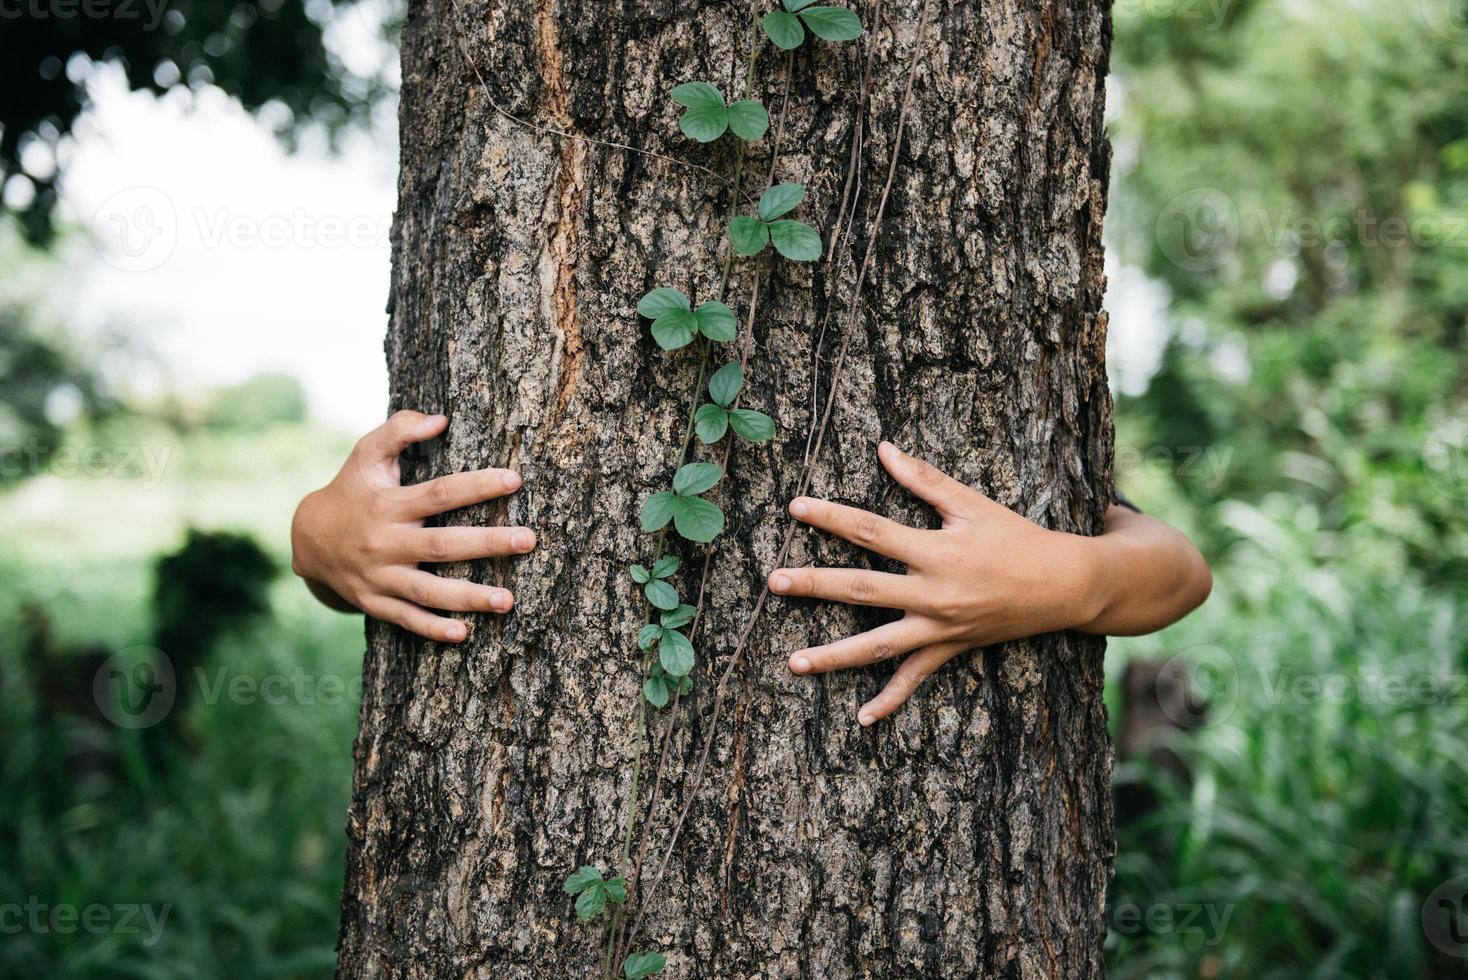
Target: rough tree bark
{"x": 970, "y": 836}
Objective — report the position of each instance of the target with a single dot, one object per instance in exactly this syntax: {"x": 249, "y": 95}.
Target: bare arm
{"x": 1148, "y": 575}
{"x": 986, "y": 576}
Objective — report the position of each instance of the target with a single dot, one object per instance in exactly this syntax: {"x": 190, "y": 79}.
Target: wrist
{"x": 1089, "y": 583}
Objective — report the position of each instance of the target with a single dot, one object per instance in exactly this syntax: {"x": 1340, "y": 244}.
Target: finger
{"x": 440, "y": 544}
{"x": 885, "y": 641}
{"x": 949, "y": 498}
{"x": 384, "y": 443}
{"x": 857, "y": 586}
{"x": 860, "y": 527}
{"x": 416, "y": 620}
{"x": 452, "y": 594}
{"x": 909, "y": 676}
{"x": 458, "y": 490}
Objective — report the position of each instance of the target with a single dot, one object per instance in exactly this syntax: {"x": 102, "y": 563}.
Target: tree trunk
{"x": 970, "y": 835}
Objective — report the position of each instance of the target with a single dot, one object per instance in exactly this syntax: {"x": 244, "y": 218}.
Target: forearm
{"x": 1146, "y": 576}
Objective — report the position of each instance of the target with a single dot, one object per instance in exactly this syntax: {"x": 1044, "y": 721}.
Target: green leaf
{"x": 696, "y": 519}
{"x": 780, "y": 199}
{"x": 660, "y": 301}
{"x": 616, "y": 889}
{"x": 681, "y": 685}
{"x": 675, "y": 618}
{"x": 697, "y": 95}
{"x": 832, "y": 23}
{"x": 795, "y": 6}
{"x": 655, "y": 689}
{"x": 639, "y": 574}
{"x": 711, "y": 422}
{"x": 647, "y": 636}
{"x": 674, "y": 329}
{"x": 640, "y": 965}
{"x": 583, "y": 878}
{"x": 751, "y": 425}
{"x": 749, "y": 236}
{"x": 795, "y": 240}
{"x": 657, "y": 511}
{"x": 661, "y": 594}
{"x": 704, "y": 124}
{"x": 748, "y": 119}
{"x": 665, "y": 566}
{"x": 725, "y": 384}
{"x": 716, "y": 321}
{"x": 675, "y": 653}
{"x": 591, "y": 902}
{"x": 695, "y": 478}
{"x": 784, "y": 29}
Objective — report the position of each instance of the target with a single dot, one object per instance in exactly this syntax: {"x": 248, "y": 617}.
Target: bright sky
{"x": 222, "y": 255}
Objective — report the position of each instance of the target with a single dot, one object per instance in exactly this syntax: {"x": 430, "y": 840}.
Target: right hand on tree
{"x": 358, "y": 541}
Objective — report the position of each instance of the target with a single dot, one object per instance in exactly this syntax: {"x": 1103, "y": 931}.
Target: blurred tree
{"x": 41, "y": 382}
{"x": 217, "y": 583}
{"x": 256, "y": 403}
{"x": 259, "y": 51}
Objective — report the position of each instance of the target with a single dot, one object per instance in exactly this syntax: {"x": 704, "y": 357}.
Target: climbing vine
{"x": 665, "y": 638}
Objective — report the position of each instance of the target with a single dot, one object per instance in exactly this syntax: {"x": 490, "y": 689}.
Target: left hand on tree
{"x": 988, "y": 575}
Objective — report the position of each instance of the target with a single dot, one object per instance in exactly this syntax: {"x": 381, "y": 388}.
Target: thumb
{"x": 385, "y": 443}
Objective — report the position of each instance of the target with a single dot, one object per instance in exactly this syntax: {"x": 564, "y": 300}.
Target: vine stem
{"x": 806, "y": 470}
{"x": 645, "y": 836}
{"x": 616, "y": 924}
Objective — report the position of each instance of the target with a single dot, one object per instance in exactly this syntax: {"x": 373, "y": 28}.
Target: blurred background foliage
{"x": 1292, "y": 178}
{"x": 270, "y": 55}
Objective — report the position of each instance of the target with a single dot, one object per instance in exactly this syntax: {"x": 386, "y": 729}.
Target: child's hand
{"x": 358, "y": 541}
{"x": 987, "y": 576}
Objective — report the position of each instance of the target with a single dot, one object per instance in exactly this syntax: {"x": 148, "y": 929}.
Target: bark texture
{"x": 970, "y": 836}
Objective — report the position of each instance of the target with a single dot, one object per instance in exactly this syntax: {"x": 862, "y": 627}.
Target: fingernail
{"x": 521, "y": 540}
{"x": 434, "y": 420}
{"x": 798, "y": 508}
{"x": 501, "y": 602}
{"x": 866, "y": 718}
{"x": 800, "y": 665}
{"x": 456, "y": 631}
{"x": 782, "y": 583}
{"x": 513, "y": 481}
